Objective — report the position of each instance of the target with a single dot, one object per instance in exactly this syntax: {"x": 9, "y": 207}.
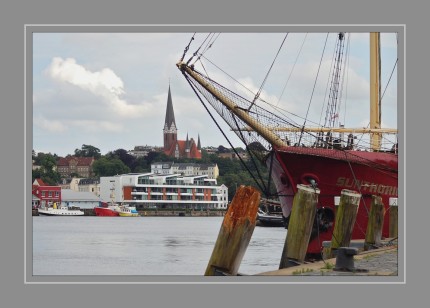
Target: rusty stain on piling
{"x": 235, "y": 232}
{"x": 239, "y": 211}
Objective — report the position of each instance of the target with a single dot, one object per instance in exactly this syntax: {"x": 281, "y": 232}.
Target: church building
{"x": 172, "y": 146}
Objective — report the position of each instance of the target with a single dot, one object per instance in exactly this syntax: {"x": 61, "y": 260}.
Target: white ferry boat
{"x": 62, "y": 211}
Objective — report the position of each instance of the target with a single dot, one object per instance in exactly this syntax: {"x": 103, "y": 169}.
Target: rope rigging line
{"x": 327, "y": 85}
{"x": 195, "y": 53}
{"x": 187, "y": 47}
{"x": 267, "y": 74}
{"x": 208, "y": 46}
{"x": 280, "y": 110}
{"x": 270, "y": 173}
{"x": 231, "y": 77}
{"x": 252, "y": 158}
{"x": 310, "y": 101}
{"x": 331, "y": 115}
{"x": 219, "y": 127}
{"x": 347, "y": 78}
{"x": 391, "y": 75}
{"x": 292, "y": 69}
{"x": 342, "y": 82}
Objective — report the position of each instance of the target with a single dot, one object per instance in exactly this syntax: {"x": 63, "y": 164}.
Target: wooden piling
{"x": 235, "y": 232}
{"x": 300, "y": 226}
{"x": 375, "y": 223}
{"x": 346, "y": 215}
{"x": 394, "y": 220}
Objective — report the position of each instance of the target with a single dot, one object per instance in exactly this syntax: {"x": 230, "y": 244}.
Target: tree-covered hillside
{"x": 232, "y": 172}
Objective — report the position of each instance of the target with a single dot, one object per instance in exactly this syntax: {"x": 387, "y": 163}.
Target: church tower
{"x": 199, "y": 146}
{"x": 169, "y": 130}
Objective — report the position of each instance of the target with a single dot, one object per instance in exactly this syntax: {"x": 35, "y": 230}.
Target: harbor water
{"x": 142, "y": 246}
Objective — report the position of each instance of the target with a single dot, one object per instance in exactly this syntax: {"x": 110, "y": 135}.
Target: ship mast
{"x": 375, "y": 93}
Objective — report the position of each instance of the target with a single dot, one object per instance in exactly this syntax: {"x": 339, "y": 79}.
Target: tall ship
{"x": 296, "y": 150}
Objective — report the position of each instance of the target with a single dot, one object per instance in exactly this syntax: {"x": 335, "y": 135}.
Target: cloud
{"x": 96, "y": 126}
{"x": 50, "y": 125}
{"x": 104, "y": 84}
{"x": 100, "y": 83}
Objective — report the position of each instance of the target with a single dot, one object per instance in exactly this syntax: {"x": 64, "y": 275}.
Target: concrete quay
{"x": 381, "y": 261}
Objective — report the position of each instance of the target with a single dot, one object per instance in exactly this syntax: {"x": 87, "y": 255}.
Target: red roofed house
{"x": 45, "y": 195}
{"x": 172, "y": 146}
{"x": 82, "y": 166}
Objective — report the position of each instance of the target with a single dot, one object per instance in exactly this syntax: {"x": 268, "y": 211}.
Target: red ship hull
{"x": 104, "y": 211}
{"x": 369, "y": 173}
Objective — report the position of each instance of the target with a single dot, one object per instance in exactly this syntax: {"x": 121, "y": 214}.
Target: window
{"x": 50, "y": 194}
{"x": 57, "y": 194}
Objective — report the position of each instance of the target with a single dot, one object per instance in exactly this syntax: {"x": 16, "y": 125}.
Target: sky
{"x": 109, "y": 90}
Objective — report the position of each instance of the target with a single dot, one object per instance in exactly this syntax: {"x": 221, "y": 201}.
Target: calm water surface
{"x": 141, "y": 246}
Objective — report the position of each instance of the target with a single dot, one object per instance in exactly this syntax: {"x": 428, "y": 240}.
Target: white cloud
{"x": 96, "y": 126}
{"x": 100, "y": 83}
{"x": 53, "y": 126}
{"x": 104, "y": 83}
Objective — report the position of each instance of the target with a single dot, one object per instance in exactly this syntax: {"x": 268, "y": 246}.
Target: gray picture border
{"x": 16, "y": 15}
{"x": 30, "y": 29}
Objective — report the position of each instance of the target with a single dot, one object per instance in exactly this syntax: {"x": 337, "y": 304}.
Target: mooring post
{"x": 300, "y": 226}
{"x": 374, "y": 224}
{"x": 346, "y": 214}
{"x": 336, "y": 204}
{"x": 235, "y": 232}
{"x": 394, "y": 219}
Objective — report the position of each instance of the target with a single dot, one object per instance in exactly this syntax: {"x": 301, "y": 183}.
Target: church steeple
{"x": 199, "y": 147}
{"x": 172, "y": 146}
{"x": 169, "y": 130}
{"x": 170, "y": 115}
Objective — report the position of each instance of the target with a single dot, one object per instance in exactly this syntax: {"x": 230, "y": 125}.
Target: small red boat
{"x": 106, "y": 210}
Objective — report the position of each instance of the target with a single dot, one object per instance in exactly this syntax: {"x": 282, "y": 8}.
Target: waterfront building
{"x": 45, "y": 195}
{"x": 83, "y": 200}
{"x": 164, "y": 191}
{"x": 91, "y": 185}
{"x": 65, "y": 183}
{"x": 211, "y": 170}
{"x": 172, "y": 146}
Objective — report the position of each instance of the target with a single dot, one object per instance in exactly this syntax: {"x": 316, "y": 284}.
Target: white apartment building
{"x": 164, "y": 191}
{"x": 185, "y": 169}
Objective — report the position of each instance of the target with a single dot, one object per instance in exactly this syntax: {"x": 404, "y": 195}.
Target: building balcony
{"x": 139, "y": 193}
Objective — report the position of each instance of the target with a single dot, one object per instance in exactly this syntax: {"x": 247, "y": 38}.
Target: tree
{"x": 140, "y": 165}
{"x": 222, "y": 149}
{"x": 88, "y": 151}
{"x": 156, "y": 156}
{"x": 47, "y": 171}
{"x": 123, "y": 155}
{"x": 109, "y": 166}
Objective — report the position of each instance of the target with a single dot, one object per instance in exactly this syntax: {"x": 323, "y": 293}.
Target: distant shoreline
{"x": 162, "y": 213}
